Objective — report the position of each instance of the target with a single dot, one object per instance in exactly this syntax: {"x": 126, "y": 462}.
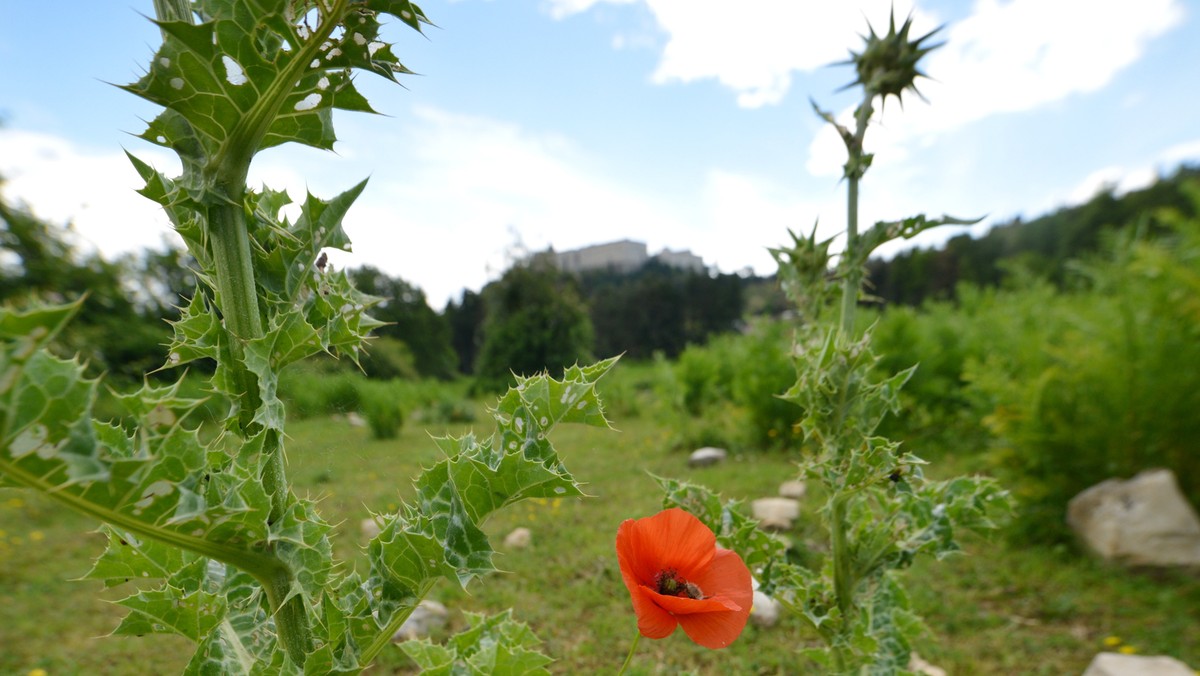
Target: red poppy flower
{"x": 677, "y": 575}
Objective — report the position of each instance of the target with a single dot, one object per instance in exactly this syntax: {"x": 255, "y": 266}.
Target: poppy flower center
{"x": 670, "y": 583}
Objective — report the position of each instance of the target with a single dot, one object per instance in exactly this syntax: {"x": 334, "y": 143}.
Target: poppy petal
{"x": 671, "y": 539}
{"x": 729, "y": 577}
{"x": 653, "y": 621}
{"x": 714, "y": 630}
{"x": 682, "y": 605}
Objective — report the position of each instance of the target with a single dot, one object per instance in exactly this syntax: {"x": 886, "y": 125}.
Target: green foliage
{"x": 1102, "y": 382}
{"x": 746, "y": 372}
{"x": 1062, "y": 386}
{"x": 657, "y": 308}
{"x": 407, "y": 319}
{"x": 879, "y": 511}
{"x": 385, "y": 415}
{"x": 245, "y": 566}
{"x": 115, "y": 332}
{"x": 388, "y": 359}
{"x": 321, "y": 387}
{"x": 1045, "y": 245}
{"x": 1000, "y": 605}
{"x": 492, "y": 645}
{"x": 174, "y": 501}
{"x": 466, "y": 327}
{"x": 535, "y": 322}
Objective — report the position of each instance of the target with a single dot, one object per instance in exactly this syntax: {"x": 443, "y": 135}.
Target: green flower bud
{"x": 887, "y": 65}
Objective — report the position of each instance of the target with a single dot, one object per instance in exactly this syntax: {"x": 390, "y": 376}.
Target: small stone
{"x": 355, "y": 419}
{"x": 775, "y": 513}
{"x": 427, "y": 616}
{"x": 765, "y": 610}
{"x": 1116, "y": 664}
{"x": 794, "y": 489}
{"x": 920, "y": 666}
{"x": 703, "y": 457}
{"x": 1144, "y": 521}
{"x": 370, "y": 528}
{"x": 519, "y": 538}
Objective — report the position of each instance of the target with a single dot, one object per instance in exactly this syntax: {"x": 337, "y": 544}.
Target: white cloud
{"x": 1123, "y": 179}
{"x": 91, "y": 189}
{"x": 1002, "y": 57}
{"x": 440, "y": 213}
{"x": 1019, "y": 55}
{"x": 744, "y": 215}
{"x": 1007, "y": 58}
{"x": 754, "y": 46}
{"x": 563, "y": 8}
{"x": 475, "y": 180}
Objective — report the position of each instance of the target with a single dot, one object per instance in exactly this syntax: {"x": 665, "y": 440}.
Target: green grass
{"x": 996, "y": 610}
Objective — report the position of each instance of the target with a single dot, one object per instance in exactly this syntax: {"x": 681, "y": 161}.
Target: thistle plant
{"x": 879, "y": 510}
{"x": 205, "y": 520}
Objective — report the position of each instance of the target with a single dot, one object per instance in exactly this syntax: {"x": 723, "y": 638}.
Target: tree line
{"x": 1041, "y": 247}
{"x": 536, "y": 317}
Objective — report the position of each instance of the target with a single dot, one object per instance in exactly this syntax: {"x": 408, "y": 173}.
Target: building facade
{"x": 621, "y": 256}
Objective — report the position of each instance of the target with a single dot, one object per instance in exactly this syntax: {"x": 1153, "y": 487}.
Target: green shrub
{"x": 763, "y": 371}
{"x": 1100, "y": 382}
{"x": 316, "y": 388}
{"x": 382, "y": 409}
{"x": 388, "y": 358}
{"x": 726, "y": 392}
{"x": 705, "y": 375}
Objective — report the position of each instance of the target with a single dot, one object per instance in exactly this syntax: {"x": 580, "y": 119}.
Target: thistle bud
{"x": 887, "y": 64}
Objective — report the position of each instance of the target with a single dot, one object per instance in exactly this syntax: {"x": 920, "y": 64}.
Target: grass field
{"x": 995, "y": 610}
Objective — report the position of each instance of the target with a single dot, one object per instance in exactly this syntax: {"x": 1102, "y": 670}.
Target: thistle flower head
{"x": 887, "y": 64}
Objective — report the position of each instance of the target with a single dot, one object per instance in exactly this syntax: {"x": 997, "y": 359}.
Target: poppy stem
{"x": 629, "y": 658}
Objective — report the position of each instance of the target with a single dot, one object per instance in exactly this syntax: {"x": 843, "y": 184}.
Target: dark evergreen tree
{"x": 411, "y": 321}
{"x": 466, "y": 328}
{"x": 535, "y": 321}
{"x": 1041, "y": 247}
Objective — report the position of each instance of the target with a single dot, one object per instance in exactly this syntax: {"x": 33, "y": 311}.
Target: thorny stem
{"x": 856, "y": 166}
{"x": 235, "y": 282}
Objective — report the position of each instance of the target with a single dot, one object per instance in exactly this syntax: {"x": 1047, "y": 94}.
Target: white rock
{"x": 920, "y": 666}
{"x": 708, "y": 455}
{"x": 776, "y": 513}
{"x": 794, "y": 489}
{"x": 427, "y": 616}
{"x": 520, "y": 538}
{"x": 1144, "y": 521}
{"x": 355, "y": 420}
{"x": 765, "y": 611}
{"x": 370, "y": 528}
{"x": 1116, "y": 664}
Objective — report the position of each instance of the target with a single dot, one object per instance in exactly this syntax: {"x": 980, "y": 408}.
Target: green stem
{"x": 384, "y": 637}
{"x": 291, "y": 616}
{"x": 843, "y": 575}
{"x": 852, "y": 279}
{"x": 843, "y": 584}
{"x": 235, "y": 267}
{"x": 629, "y": 658}
{"x": 856, "y": 166}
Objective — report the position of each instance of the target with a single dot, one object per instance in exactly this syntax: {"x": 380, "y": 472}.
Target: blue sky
{"x": 679, "y": 123}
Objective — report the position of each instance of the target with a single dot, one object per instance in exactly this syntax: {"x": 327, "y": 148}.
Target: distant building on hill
{"x": 682, "y": 259}
{"x": 621, "y": 256}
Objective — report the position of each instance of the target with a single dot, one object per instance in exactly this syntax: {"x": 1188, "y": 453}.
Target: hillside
{"x": 1042, "y": 246}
